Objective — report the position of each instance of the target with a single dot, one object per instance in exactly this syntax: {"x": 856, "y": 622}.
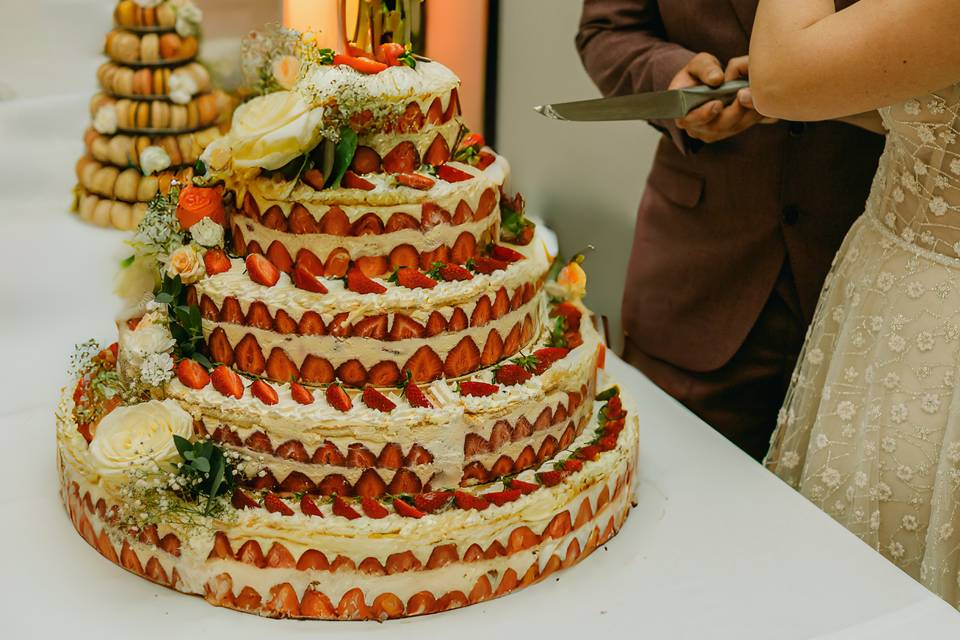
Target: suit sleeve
{"x": 624, "y": 48}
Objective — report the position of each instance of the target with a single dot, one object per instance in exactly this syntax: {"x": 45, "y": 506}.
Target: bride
{"x": 870, "y": 430}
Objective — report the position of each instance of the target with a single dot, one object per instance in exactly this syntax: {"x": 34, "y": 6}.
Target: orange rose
{"x": 197, "y": 203}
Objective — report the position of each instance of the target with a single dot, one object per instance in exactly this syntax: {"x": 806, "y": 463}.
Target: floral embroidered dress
{"x": 870, "y": 430}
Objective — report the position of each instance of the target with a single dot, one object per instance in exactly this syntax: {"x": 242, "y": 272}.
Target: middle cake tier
{"x": 285, "y": 333}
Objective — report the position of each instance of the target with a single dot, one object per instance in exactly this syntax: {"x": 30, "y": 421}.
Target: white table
{"x": 717, "y": 547}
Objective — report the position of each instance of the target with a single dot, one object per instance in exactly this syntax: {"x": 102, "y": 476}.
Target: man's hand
{"x": 713, "y": 121}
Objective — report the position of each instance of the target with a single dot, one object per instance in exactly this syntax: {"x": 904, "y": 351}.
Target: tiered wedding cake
{"x": 372, "y": 397}
{"x": 156, "y": 112}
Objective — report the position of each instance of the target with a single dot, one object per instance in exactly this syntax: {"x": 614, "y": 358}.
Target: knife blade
{"x": 658, "y": 105}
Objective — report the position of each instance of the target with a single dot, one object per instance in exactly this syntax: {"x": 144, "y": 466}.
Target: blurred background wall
{"x": 585, "y": 180}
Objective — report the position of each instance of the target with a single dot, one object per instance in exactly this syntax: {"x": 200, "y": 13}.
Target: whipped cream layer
{"x": 417, "y": 303}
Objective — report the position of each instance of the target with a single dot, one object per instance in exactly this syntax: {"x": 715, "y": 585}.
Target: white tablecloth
{"x": 717, "y": 547}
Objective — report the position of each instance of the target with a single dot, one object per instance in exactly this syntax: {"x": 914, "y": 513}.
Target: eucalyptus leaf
{"x": 183, "y": 445}
{"x": 202, "y": 465}
{"x": 126, "y": 262}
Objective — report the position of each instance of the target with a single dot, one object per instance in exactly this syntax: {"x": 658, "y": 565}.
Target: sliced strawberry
{"x": 467, "y": 501}
{"x": 264, "y": 392}
{"x": 570, "y": 313}
{"x": 309, "y": 507}
{"x": 413, "y": 279}
{"x": 407, "y": 510}
{"x": 359, "y": 283}
{"x": 273, "y": 504}
{"x": 241, "y": 500}
{"x": 403, "y": 158}
{"x": 416, "y": 397}
{"x": 215, "y": 261}
{"x": 472, "y": 140}
{"x": 484, "y": 159}
{"x": 547, "y": 356}
{"x": 590, "y": 452}
{"x": 404, "y": 328}
{"x": 300, "y": 394}
{"x": 400, "y": 221}
{"x": 614, "y": 408}
{"x": 511, "y": 374}
{"x": 485, "y": 265}
{"x": 551, "y": 478}
{"x": 304, "y": 279}
{"x": 363, "y": 65}
{"x": 572, "y": 465}
{"x": 262, "y": 270}
{"x": 506, "y": 254}
{"x": 227, "y": 381}
{"x": 454, "y": 273}
{"x": 365, "y": 160}
{"x": 353, "y": 181}
{"x": 377, "y": 401}
{"x": 477, "y": 389}
{"x": 192, "y": 374}
{"x": 501, "y": 498}
{"x": 373, "y": 509}
{"x": 432, "y": 501}
{"x": 415, "y": 181}
{"x": 523, "y": 487}
{"x": 608, "y": 442}
{"x": 452, "y": 174}
{"x": 341, "y": 508}
{"x": 338, "y": 398}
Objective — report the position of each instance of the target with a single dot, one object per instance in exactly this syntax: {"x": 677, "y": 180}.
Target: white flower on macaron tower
{"x": 189, "y": 17}
{"x": 138, "y": 437}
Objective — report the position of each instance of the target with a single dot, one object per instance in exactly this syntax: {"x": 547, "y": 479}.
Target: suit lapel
{"x": 746, "y": 11}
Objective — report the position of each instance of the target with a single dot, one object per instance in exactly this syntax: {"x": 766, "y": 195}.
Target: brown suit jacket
{"x": 717, "y": 221}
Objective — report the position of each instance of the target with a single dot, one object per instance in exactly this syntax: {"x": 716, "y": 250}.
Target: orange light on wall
{"x": 457, "y": 37}
{"x": 317, "y": 15}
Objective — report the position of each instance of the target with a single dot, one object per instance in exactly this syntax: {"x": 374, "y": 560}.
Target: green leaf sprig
{"x": 186, "y": 325}
{"x": 205, "y": 470}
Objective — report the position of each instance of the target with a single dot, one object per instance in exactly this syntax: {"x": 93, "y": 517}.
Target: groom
{"x": 740, "y": 219}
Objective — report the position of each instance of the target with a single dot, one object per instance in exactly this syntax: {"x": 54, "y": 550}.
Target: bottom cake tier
{"x": 341, "y": 559}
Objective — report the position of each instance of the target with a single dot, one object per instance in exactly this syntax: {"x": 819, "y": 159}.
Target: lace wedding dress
{"x": 870, "y": 430}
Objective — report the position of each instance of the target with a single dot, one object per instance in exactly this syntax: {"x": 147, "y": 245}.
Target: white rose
{"x": 148, "y": 338}
{"x": 138, "y": 436}
{"x": 271, "y": 130}
{"x": 105, "y": 120}
{"x": 207, "y": 233}
{"x": 188, "y": 20}
{"x": 181, "y": 88}
{"x": 153, "y": 159}
{"x": 186, "y": 263}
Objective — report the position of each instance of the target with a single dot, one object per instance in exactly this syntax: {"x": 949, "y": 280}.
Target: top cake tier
{"x": 337, "y": 118}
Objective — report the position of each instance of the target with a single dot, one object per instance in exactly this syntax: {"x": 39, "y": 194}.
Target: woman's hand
{"x": 713, "y": 121}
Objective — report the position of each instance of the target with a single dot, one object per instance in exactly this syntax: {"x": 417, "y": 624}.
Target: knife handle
{"x": 702, "y": 94}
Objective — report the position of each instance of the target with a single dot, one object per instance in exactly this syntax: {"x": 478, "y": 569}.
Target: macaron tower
{"x": 154, "y": 114}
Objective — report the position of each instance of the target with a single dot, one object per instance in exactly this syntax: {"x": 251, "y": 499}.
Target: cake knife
{"x": 658, "y": 105}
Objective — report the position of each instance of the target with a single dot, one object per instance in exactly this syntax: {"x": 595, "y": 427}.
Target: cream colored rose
{"x": 153, "y": 159}
{"x": 186, "y": 263}
{"x": 207, "y": 233}
{"x": 181, "y": 87}
{"x": 138, "y": 436}
{"x": 272, "y": 130}
{"x": 105, "y": 120}
{"x": 286, "y": 70}
{"x": 573, "y": 279}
